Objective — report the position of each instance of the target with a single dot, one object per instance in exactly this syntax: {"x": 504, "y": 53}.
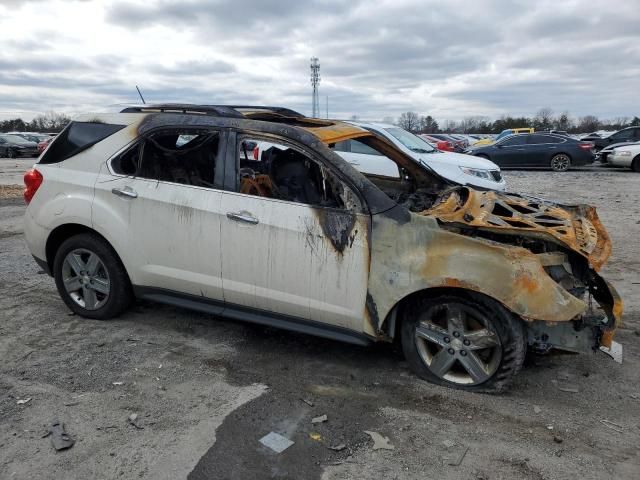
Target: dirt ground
{"x": 205, "y": 390}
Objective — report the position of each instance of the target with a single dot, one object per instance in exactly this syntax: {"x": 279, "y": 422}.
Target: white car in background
{"x": 456, "y": 167}
{"x": 626, "y": 156}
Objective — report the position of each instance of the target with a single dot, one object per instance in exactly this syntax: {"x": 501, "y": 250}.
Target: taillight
{"x": 256, "y": 153}
{"x": 586, "y": 146}
{"x": 32, "y": 181}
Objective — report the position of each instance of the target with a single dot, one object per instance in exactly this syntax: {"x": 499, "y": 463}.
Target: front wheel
{"x": 635, "y": 165}
{"x": 560, "y": 162}
{"x": 91, "y": 278}
{"x": 11, "y": 153}
{"x": 463, "y": 340}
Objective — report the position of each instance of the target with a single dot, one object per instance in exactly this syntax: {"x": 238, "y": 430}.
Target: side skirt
{"x": 244, "y": 314}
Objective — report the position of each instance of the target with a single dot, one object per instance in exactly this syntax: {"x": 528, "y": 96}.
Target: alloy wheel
{"x": 458, "y": 344}
{"x": 86, "y": 279}
{"x": 560, "y": 163}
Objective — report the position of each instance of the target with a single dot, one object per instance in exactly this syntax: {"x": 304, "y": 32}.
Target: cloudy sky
{"x": 450, "y": 59}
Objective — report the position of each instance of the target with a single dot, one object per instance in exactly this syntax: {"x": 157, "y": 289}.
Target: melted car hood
{"x": 574, "y": 226}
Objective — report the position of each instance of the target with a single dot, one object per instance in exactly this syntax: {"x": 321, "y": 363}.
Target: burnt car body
{"x": 465, "y": 280}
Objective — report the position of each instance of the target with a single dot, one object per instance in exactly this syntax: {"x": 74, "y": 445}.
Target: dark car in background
{"x": 537, "y": 150}
{"x": 626, "y": 135}
{"x": 13, "y": 146}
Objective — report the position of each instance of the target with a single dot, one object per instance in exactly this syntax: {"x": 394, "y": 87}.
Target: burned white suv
{"x": 167, "y": 203}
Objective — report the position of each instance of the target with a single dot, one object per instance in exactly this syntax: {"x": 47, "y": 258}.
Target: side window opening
{"x": 184, "y": 157}
{"x": 274, "y": 170}
{"x": 77, "y": 137}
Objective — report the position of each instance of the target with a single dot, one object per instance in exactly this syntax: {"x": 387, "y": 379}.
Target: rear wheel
{"x": 560, "y": 162}
{"x": 635, "y": 165}
{"x": 91, "y": 278}
{"x": 11, "y": 153}
{"x": 464, "y": 341}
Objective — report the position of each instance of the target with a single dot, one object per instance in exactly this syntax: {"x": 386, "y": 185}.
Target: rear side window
{"x": 77, "y": 137}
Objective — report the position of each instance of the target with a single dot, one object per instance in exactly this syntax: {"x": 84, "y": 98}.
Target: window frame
{"x": 142, "y": 141}
{"x": 233, "y": 158}
{"x": 513, "y": 136}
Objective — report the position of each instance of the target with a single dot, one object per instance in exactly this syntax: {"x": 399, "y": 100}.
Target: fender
{"x": 421, "y": 255}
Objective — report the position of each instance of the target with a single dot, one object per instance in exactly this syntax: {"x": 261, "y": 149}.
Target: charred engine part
{"x": 417, "y": 201}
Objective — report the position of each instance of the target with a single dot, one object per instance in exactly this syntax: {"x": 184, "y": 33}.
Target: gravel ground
{"x": 205, "y": 390}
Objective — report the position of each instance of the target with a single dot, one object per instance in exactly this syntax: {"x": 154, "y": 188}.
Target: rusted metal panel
{"x": 425, "y": 256}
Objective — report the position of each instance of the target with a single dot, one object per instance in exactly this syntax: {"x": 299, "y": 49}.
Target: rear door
{"x": 541, "y": 148}
{"x": 159, "y": 199}
{"x": 511, "y": 152}
{"x": 294, "y": 238}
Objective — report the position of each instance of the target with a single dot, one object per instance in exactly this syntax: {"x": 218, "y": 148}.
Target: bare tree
{"x": 544, "y": 119}
{"x": 409, "y": 121}
{"x": 588, "y": 123}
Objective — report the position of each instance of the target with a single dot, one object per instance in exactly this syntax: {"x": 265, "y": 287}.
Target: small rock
{"x": 338, "y": 448}
{"x": 557, "y": 439}
{"x": 536, "y": 409}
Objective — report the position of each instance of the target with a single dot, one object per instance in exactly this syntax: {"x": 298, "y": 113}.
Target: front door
{"x": 290, "y": 246}
{"x": 159, "y": 201}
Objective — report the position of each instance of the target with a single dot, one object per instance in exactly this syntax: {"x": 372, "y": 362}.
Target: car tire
{"x": 635, "y": 164}
{"x": 560, "y": 162}
{"x": 91, "y": 278}
{"x": 466, "y": 359}
{"x": 11, "y": 153}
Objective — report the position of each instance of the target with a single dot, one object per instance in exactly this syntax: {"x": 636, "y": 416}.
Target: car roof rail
{"x": 214, "y": 110}
{"x": 280, "y": 110}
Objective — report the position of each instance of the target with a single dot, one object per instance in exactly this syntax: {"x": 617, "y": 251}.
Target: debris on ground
{"x": 276, "y": 442}
{"x": 338, "y": 448}
{"x": 379, "y": 442}
{"x": 133, "y": 420}
{"x": 448, "y": 443}
{"x": 536, "y": 409}
{"x": 60, "y": 439}
{"x": 320, "y": 419}
{"x": 23, "y": 401}
{"x": 117, "y": 383}
{"x": 454, "y": 462}
{"x": 613, "y": 426}
{"x": 569, "y": 389}
{"x": 315, "y": 436}
{"x": 308, "y": 402}
{"x": 557, "y": 439}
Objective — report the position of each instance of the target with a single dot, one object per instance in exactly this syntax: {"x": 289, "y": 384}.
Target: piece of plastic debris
{"x": 23, "y": 401}
{"x": 118, "y": 383}
{"x": 315, "y": 436}
{"x": 536, "y": 409}
{"x": 379, "y": 442}
{"x": 338, "y": 448}
{"x": 276, "y": 442}
{"x": 549, "y": 427}
{"x": 60, "y": 439}
{"x": 133, "y": 420}
{"x": 457, "y": 461}
{"x": 320, "y": 419}
{"x": 308, "y": 402}
{"x": 448, "y": 443}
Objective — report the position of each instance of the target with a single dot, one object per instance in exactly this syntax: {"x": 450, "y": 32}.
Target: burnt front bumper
{"x": 592, "y": 331}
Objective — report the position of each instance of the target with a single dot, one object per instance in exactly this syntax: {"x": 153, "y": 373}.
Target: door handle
{"x": 125, "y": 192}
{"x": 242, "y": 217}
{"x": 354, "y": 163}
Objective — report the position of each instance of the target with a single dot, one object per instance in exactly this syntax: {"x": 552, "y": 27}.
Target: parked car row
{"x": 537, "y": 150}
{"x": 174, "y": 204}
{"x": 24, "y": 144}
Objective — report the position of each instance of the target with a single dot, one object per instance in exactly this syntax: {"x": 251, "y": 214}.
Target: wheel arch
{"x": 62, "y": 232}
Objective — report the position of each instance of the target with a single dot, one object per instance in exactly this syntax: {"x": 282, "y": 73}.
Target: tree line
{"x": 50, "y": 122}
{"x": 545, "y": 119}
